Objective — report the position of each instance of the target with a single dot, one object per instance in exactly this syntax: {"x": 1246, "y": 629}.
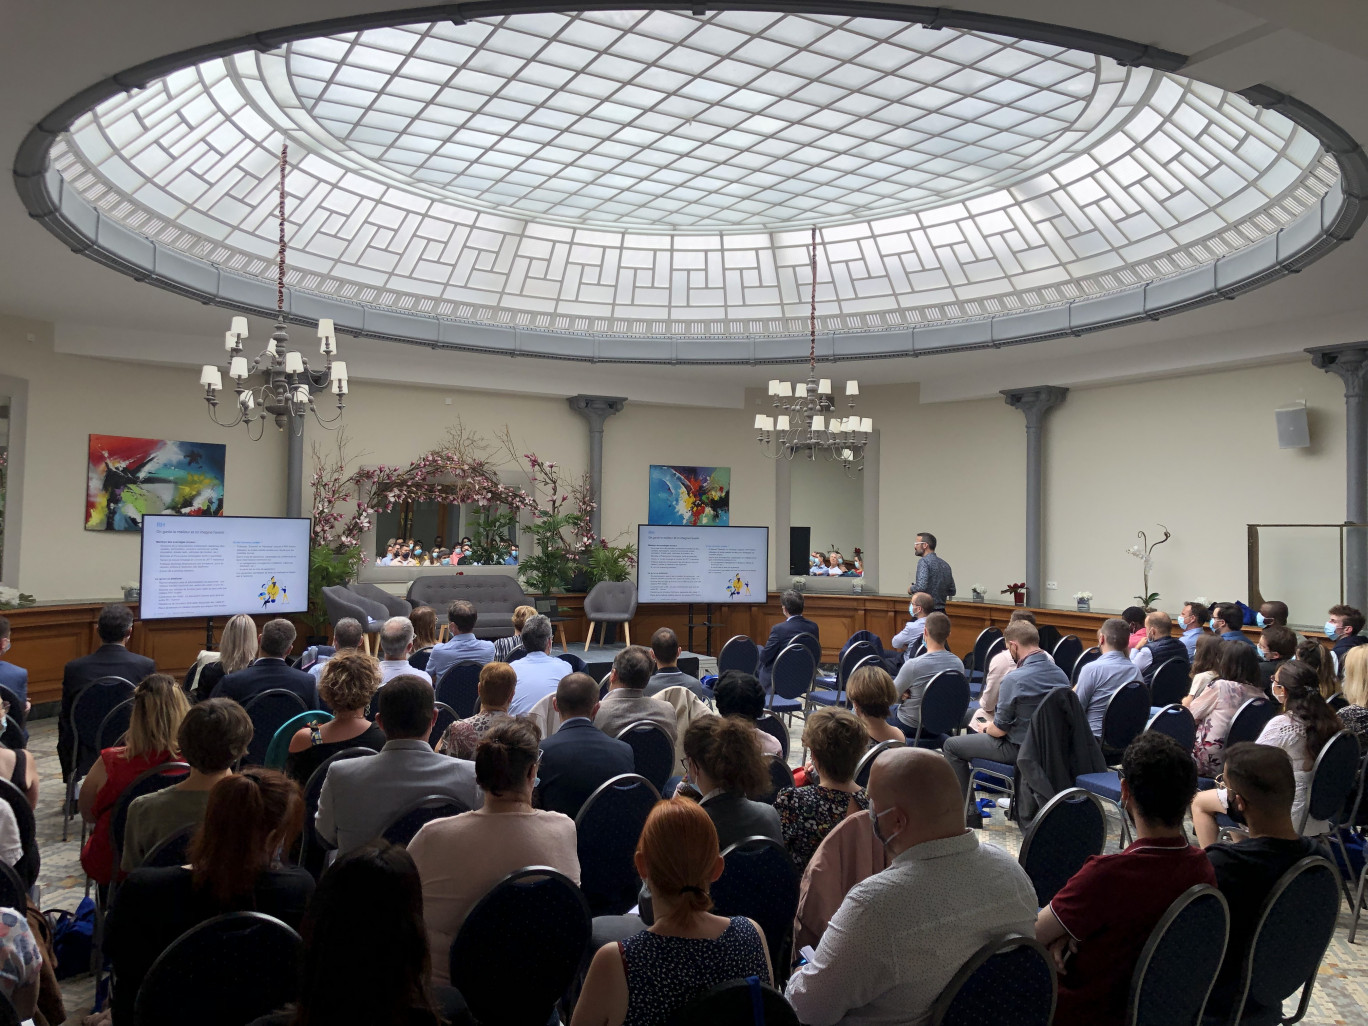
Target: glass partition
{"x": 1303, "y": 565}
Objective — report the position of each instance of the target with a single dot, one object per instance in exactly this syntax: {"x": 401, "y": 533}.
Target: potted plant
{"x": 1084, "y": 600}
{"x": 979, "y": 592}
{"x": 606, "y": 562}
{"x": 1144, "y": 552}
{"x": 13, "y": 598}
{"x": 1017, "y": 591}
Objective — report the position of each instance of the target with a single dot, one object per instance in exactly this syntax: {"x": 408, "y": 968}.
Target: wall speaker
{"x": 1293, "y": 430}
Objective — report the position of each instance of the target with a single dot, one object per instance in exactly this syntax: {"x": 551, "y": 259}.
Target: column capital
{"x": 1035, "y": 401}
{"x": 596, "y": 408}
{"x": 1348, "y": 362}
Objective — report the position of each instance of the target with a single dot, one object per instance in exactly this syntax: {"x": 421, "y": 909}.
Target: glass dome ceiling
{"x": 651, "y": 175}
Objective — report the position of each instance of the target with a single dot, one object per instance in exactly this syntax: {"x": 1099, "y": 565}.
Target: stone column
{"x": 596, "y": 409}
{"x": 1034, "y": 403}
{"x": 1350, "y": 363}
{"x": 294, "y": 470}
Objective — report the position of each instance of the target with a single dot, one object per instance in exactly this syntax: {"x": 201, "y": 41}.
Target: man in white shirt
{"x": 396, "y": 645}
{"x": 901, "y": 935}
{"x": 347, "y": 637}
{"x": 539, "y": 671}
{"x": 463, "y": 647}
{"x": 919, "y": 609}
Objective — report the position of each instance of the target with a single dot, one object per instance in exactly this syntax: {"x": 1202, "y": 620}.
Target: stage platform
{"x": 600, "y": 659}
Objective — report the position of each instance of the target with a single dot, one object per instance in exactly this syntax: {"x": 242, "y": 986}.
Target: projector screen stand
{"x": 706, "y": 623}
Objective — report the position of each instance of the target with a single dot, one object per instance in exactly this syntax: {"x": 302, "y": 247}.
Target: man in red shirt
{"x": 1100, "y": 920}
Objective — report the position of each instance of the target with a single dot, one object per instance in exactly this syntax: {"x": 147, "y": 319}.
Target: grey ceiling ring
{"x": 87, "y": 230}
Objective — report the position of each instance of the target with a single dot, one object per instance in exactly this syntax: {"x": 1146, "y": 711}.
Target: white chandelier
{"x": 287, "y": 384}
{"x": 806, "y": 420}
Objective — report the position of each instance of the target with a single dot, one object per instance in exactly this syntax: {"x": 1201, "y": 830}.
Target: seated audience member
{"x": 20, "y": 768}
{"x": 1192, "y": 622}
{"x": 213, "y": 736}
{"x": 348, "y": 684}
{"x": 1098, "y": 923}
{"x": 1236, "y": 682}
{"x": 512, "y": 558}
{"x": 725, "y": 765}
{"x": 496, "y": 685}
{"x": 250, "y": 818}
{"x": 237, "y": 649}
{"x": 1134, "y": 616}
{"x": 405, "y": 556}
{"x": 1277, "y": 645}
{"x": 270, "y": 671}
{"x": 783, "y": 633}
{"x": 1227, "y": 622}
{"x": 21, "y": 963}
{"x": 1107, "y": 674}
{"x": 461, "y": 858}
{"x": 15, "y": 678}
{"x": 1315, "y": 655}
{"x": 919, "y": 608}
{"x": 998, "y": 667}
{"x": 463, "y": 647}
{"x": 740, "y": 695}
{"x": 578, "y": 757}
{"x": 539, "y": 671}
{"x": 391, "y": 550}
{"x": 872, "y": 694}
{"x": 836, "y": 741}
{"x": 158, "y": 707}
{"x": 911, "y": 681}
{"x": 1159, "y": 647}
{"x": 361, "y": 796}
{"x": 424, "y": 620}
{"x": 111, "y": 659}
{"x": 1354, "y": 716}
{"x": 1260, "y": 785}
{"x": 1301, "y": 731}
{"x": 396, "y": 645}
{"x": 665, "y": 651}
{"x": 652, "y": 974}
{"x": 1271, "y": 614}
{"x": 1020, "y": 693}
{"x": 503, "y": 647}
{"x": 1342, "y": 626}
{"x": 902, "y": 934}
{"x": 626, "y": 702}
{"x": 1203, "y": 669}
{"x": 347, "y": 637}
{"x": 382, "y": 879}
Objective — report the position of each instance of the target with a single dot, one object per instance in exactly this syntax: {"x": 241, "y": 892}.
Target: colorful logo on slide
{"x": 272, "y": 593}
{"x": 736, "y": 587}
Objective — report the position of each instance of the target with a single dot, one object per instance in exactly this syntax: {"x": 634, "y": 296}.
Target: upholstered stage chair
{"x": 610, "y": 602}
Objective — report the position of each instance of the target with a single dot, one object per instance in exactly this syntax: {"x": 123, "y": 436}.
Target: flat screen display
{"x": 720, "y": 565}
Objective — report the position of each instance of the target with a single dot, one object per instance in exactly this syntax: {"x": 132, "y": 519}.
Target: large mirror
{"x": 826, "y": 518}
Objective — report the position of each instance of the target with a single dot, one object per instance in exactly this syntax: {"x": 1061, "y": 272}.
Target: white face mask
{"x": 874, "y": 818}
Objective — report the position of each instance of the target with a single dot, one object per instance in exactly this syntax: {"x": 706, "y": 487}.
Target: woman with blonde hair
{"x": 424, "y": 620}
{"x": 872, "y": 695}
{"x": 1354, "y": 715}
{"x": 643, "y": 980}
{"x": 503, "y": 647}
{"x": 349, "y": 681}
{"x": 237, "y": 649}
{"x": 1315, "y": 655}
{"x": 159, "y": 705}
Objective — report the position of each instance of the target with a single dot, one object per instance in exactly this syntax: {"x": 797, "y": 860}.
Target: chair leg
{"x": 589, "y": 636}
{"x": 1358, "y": 902}
{"x": 627, "y": 632}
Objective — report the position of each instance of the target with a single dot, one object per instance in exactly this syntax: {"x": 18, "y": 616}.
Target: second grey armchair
{"x": 610, "y": 602}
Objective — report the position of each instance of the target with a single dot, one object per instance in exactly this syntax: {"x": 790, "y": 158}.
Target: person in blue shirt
{"x": 15, "y": 678}
{"x": 1226, "y": 621}
{"x": 512, "y": 558}
{"x": 463, "y": 647}
{"x": 1108, "y": 673}
{"x": 1191, "y": 621}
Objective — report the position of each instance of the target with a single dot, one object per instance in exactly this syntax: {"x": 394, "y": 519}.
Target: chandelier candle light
{"x": 287, "y": 384}
{"x": 806, "y": 419}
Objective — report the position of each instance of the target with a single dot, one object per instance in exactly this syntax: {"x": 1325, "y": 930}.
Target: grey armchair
{"x": 341, "y": 603}
{"x": 610, "y": 602}
{"x": 397, "y": 606}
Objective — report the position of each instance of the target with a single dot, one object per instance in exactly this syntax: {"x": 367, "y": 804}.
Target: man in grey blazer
{"x": 361, "y": 796}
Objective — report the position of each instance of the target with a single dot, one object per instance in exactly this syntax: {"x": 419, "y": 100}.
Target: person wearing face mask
{"x": 1192, "y": 622}
{"x": 1227, "y": 621}
{"x": 1342, "y": 626}
{"x": 816, "y": 565}
{"x": 1271, "y": 614}
{"x": 1277, "y": 645}
{"x": 15, "y": 678}
{"x": 918, "y": 609}
{"x": 1159, "y": 646}
{"x": 878, "y": 962}
{"x": 512, "y": 558}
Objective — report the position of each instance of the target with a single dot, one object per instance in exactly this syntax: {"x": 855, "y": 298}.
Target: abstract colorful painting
{"x": 130, "y": 477}
{"x": 694, "y": 496}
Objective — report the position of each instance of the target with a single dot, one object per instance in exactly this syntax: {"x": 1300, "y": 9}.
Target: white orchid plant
{"x": 1143, "y": 551}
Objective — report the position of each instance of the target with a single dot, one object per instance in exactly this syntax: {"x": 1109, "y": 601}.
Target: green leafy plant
{"x": 327, "y": 569}
{"x": 489, "y": 530}
{"x": 606, "y": 562}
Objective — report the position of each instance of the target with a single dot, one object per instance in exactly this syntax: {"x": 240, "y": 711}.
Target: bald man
{"x": 900, "y": 935}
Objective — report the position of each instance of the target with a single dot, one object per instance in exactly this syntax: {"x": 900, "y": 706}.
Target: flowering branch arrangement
{"x": 1144, "y": 552}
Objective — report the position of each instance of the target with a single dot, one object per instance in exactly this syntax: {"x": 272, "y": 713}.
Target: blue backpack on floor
{"x": 73, "y": 938}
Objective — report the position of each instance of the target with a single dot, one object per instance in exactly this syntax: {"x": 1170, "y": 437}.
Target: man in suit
{"x": 626, "y": 701}
{"x": 270, "y": 671}
{"x": 665, "y": 649}
{"x": 463, "y": 647}
{"x": 361, "y": 796}
{"x": 15, "y": 679}
{"x": 783, "y": 633}
{"x": 578, "y": 757}
{"x": 111, "y": 659}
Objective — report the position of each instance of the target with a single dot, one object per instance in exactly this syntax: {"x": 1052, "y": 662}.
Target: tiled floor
{"x": 1340, "y": 996}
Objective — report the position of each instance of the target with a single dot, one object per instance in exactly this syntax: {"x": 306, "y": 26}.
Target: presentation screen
{"x": 702, "y": 564}
{"x": 221, "y": 566}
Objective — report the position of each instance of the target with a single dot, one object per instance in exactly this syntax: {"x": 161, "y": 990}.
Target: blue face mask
{"x": 1331, "y": 631}
{"x": 1259, "y": 620}
{"x": 813, "y": 561}
{"x": 912, "y": 610}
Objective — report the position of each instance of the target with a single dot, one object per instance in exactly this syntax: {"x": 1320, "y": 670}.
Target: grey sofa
{"x": 494, "y": 597}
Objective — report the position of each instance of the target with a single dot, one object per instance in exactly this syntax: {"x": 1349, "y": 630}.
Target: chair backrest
{"x": 92, "y": 705}
{"x": 267, "y": 711}
{"x": 341, "y": 604}
{"x": 1127, "y": 712}
{"x": 13, "y": 891}
{"x": 1089, "y": 655}
{"x": 533, "y": 917}
{"x": 1295, "y": 925}
{"x": 866, "y": 762}
{"x": 311, "y": 848}
{"x": 652, "y": 751}
{"x": 1176, "y": 722}
{"x": 31, "y": 861}
{"x": 760, "y": 881}
{"x": 736, "y": 1001}
{"x": 17, "y": 713}
{"x": 1010, "y": 981}
{"x": 278, "y": 751}
{"x": 460, "y": 688}
{"x": 981, "y": 644}
{"x": 611, "y": 599}
{"x": 794, "y": 671}
{"x": 1066, "y": 653}
{"x": 223, "y": 972}
{"x": 1332, "y": 779}
{"x": 607, "y": 828}
{"x": 408, "y": 821}
{"x": 1178, "y": 964}
{"x": 943, "y": 703}
{"x": 868, "y": 636}
{"x": 1064, "y": 834}
{"x": 171, "y": 850}
{"x": 419, "y": 660}
{"x": 393, "y": 603}
{"x": 146, "y": 782}
{"x": 446, "y": 716}
{"x": 739, "y": 653}
{"x": 1249, "y": 721}
{"x": 577, "y": 665}
{"x": 854, "y": 654}
{"x": 809, "y": 642}
{"x": 774, "y": 727}
{"x": 605, "y": 682}
{"x": 780, "y": 777}
{"x": 1169, "y": 684}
